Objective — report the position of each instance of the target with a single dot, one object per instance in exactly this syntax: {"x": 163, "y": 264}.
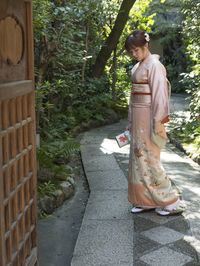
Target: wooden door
{"x": 17, "y": 136}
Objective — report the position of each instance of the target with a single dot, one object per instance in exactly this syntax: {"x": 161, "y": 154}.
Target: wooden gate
{"x": 17, "y": 136}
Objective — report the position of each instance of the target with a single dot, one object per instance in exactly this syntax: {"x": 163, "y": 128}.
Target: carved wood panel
{"x": 11, "y": 41}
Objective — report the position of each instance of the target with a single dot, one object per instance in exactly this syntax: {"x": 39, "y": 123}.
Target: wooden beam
{"x": 29, "y": 39}
{"x": 2, "y": 225}
{"x": 13, "y": 89}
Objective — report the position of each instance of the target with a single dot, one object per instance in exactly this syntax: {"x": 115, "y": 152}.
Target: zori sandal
{"x": 167, "y": 212}
{"x": 139, "y": 209}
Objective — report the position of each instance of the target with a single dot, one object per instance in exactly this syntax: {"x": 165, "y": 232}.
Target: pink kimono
{"x": 148, "y": 184}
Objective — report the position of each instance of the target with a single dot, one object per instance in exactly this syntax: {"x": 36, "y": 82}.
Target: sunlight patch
{"x": 109, "y": 146}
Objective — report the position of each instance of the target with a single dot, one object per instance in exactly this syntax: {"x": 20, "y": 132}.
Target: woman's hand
{"x": 159, "y": 129}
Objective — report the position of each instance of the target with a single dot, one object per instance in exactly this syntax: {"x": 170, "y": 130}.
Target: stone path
{"x": 110, "y": 234}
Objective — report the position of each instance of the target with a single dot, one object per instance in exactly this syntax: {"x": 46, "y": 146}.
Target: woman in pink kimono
{"x": 148, "y": 185}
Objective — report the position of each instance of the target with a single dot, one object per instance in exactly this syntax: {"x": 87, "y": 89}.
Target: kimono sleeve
{"x": 159, "y": 89}
{"x": 130, "y": 98}
{"x": 130, "y": 112}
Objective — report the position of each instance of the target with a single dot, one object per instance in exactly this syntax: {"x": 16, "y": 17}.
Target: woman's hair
{"x": 137, "y": 38}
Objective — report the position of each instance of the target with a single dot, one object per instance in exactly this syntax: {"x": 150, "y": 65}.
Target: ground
{"x": 109, "y": 234}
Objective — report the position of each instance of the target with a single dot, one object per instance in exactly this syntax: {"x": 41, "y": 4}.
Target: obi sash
{"x": 141, "y": 93}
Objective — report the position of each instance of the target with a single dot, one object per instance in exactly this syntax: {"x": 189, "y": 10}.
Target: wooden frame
{"x": 18, "y": 211}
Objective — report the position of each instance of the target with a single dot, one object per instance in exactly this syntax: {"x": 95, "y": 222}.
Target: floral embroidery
{"x": 138, "y": 152}
{"x": 123, "y": 138}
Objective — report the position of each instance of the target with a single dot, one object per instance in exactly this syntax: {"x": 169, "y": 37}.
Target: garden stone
{"x": 47, "y": 204}
{"x": 59, "y": 197}
{"x": 67, "y": 188}
{"x": 71, "y": 180}
{"x": 45, "y": 174}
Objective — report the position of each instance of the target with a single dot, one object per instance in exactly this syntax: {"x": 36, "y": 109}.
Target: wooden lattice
{"x": 18, "y": 179}
{"x": 17, "y": 136}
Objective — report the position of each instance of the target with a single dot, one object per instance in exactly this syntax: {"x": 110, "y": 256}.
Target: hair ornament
{"x": 146, "y": 36}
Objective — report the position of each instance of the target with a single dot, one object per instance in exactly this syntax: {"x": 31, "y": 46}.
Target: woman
{"x": 148, "y": 185}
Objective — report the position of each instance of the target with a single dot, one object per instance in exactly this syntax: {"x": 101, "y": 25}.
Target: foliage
{"x": 191, "y": 30}
{"x": 60, "y": 46}
{"x": 137, "y": 19}
{"x": 68, "y": 36}
{"x": 55, "y": 150}
{"x": 187, "y": 132}
{"x": 167, "y": 30}
{"x": 46, "y": 188}
{"x": 53, "y": 155}
{"x": 186, "y": 59}
{"x": 62, "y": 37}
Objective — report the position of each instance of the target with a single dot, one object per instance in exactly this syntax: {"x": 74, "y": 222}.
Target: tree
{"x": 113, "y": 38}
{"x": 167, "y": 31}
{"x": 191, "y": 33}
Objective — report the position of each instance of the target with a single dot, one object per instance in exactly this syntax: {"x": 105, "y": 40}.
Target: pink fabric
{"x": 148, "y": 184}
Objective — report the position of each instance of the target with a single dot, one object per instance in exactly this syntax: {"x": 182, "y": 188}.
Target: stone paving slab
{"x": 100, "y": 163}
{"x": 108, "y": 145}
{"x": 142, "y": 246}
{"x": 106, "y": 242}
{"x": 112, "y": 127}
{"x": 141, "y": 224}
{"x": 108, "y": 205}
{"x": 91, "y": 151}
{"x": 166, "y": 257}
{"x": 181, "y": 225}
{"x": 184, "y": 247}
{"x": 92, "y": 139}
{"x": 163, "y": 235}
{"x": 186, "y": 175}
{"x": 89, "y": 260}
{"x": 96, "y": 132}
{"x": 107, "y": 180}
{"x": 161, "y": 220}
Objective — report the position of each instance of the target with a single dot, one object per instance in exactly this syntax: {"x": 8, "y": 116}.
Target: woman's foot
{"x": 166, "y": 212}
{"x": 140, "y": 209}
{"x": 137, "y": 210}
{"x": 172, "y": 209}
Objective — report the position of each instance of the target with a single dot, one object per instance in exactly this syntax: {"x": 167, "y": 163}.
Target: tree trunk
{"x": 86, "y": 53}
{"x": 112, "y": 40}
{"x": 42, "y": 64}
{"x": 114, "y": 74}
